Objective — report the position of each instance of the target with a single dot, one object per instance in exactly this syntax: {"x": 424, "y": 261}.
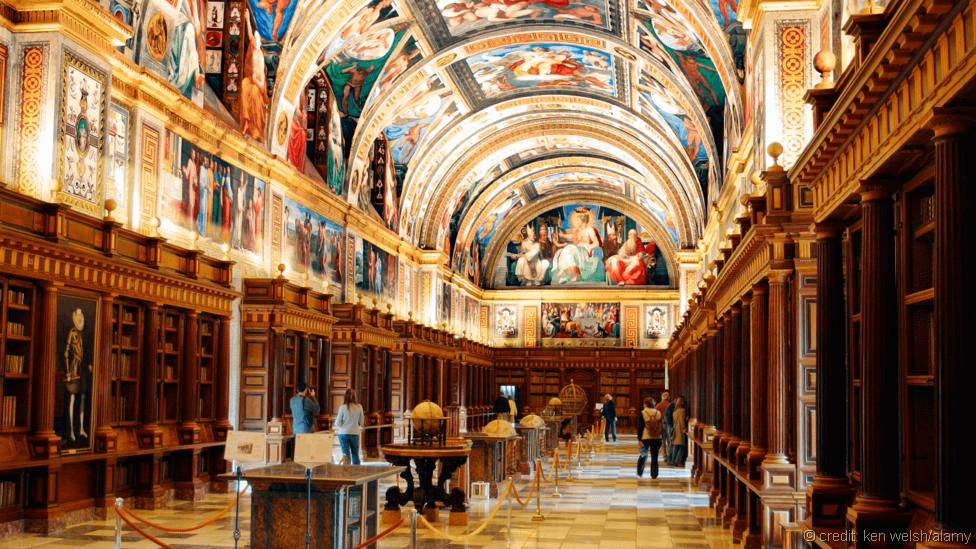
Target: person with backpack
{"x": 649, "y": 424}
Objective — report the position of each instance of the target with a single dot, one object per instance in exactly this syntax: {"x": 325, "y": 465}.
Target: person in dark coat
{"x": 609, "y": 413}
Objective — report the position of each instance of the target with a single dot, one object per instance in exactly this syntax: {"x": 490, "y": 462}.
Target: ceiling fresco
{"x": 490, "y": 111}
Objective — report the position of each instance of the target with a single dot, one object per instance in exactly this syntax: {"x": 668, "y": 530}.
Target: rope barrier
{"x": 532, "y": 487}
{"x": 464, "y": 537}
{"x": 220, "y": 514}
{"x": 381, "y": 535}
{"x": 555, "y": 465}
{"x": 144, "y": 533}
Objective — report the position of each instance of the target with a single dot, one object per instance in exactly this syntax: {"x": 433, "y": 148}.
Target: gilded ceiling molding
{"x": 85, "y": 21}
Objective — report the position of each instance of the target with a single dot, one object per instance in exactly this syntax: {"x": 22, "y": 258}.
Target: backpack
{"x": 652, "y": 424}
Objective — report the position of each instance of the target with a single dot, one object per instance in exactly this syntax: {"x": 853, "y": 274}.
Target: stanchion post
{"x": 413, "y": 527}
{"x": 237, "y": 510}
{"x": 119, "y": 503}
{"x": 555, "y": 472}
{"x": 308, "y": 508}
{"x": 538, "y": 491}
{"x": 511, "y": 488}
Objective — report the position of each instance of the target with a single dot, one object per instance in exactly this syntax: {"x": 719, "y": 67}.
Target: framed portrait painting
{"x": 77, "y": 324}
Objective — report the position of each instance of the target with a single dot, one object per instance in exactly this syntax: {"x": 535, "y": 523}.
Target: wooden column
{"x": 742, "y": 451}
{"x": 955, "y": 301}
{"x": 777, "y": 364}
{"x": 830, "y": 494}
{"x": 758, "y": 407}
{"x": 44, "y": 441}
{"x": 222, "y": 379}
{"x": 733, "y": 340}
{"x": 721, "y": 416}
{"x": 745, "y": 383}
{"x": 150, "y": 435}
{"x": 190, "y": 390}
{"x": 876, "y": 507}
{"x": 105, "y": 437}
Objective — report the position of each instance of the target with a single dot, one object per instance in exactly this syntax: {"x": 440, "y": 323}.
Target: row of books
{"x": 8, "y": 493}
{"x": 123, "y": 365}
{"x": 9, "y": 416}
{"x": 15, "y": 364}
{"x": 15, "y": 328}
{"x": 17, "y": 298}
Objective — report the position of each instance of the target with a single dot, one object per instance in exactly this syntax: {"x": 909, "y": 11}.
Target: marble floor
{"x": 603, "y": 506}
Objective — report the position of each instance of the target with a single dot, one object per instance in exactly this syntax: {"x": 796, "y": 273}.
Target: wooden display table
{"x": 489, "y": 461}
{"x": 451, "y": 456}
{"x": 344, "y": 504}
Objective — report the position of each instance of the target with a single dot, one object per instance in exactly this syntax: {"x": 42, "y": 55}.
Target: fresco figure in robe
{"x": 580, "y": 255}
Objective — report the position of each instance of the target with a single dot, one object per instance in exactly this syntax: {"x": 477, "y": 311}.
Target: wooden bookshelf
{"x": 916, "y": 261}
{"x": 16, "y": 350}
{"x": 852, "y": 269}
{"x": 127, "y": 338}
{"x": 169, "y": 355}
{"x": 207, "y": 364}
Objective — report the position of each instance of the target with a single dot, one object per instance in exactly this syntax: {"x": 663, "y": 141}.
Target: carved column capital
{"x": 947, "y": 122}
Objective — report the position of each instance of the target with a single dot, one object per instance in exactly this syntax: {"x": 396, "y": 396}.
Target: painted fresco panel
{"x": 312, "y": 244}
{"x": 580, "y": 321}
{"x": 219, "y": 201}
{"x": 429, "y": 106}
{"x": 117, "y": 142}
{"x": 554, "y": 181}
{"x": 507, "y": 69}
{"x": 172, "y": 42}
{"x": 376, "y": 270}
{"x": 582, "y": 244}
{"x": 82, "y": 112}
{"x": 465, "y": 17}
{"x": 657, "y": 321}
{"x": 468, "y": 254}
{"x": 506, "y": 321}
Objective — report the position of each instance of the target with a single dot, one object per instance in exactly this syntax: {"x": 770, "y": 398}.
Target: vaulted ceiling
{"x": 497, "y": 110}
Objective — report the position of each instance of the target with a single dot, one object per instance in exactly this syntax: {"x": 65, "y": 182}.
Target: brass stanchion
{"x": 538, "y": 498}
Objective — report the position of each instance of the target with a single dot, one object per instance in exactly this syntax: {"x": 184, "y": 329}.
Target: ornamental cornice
{"x": 883, "y": 106}
{"x": 746, "y": 266}
{"x": 86, "y": 22}
{"x": 32, "y": 258}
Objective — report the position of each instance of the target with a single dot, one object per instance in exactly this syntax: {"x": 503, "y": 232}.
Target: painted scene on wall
{"x": 506, "y": 321}
{"x": 657, "y": 321}
{"x": 581, "y": 244}
{"x": 476, "y": 15}
{"x": 312, "y": 244}
{"x": 376, "y": 270}
{"x": 580, "y": 320}
{"x": 76, "y": 373}
{"x": 219, "y": 201}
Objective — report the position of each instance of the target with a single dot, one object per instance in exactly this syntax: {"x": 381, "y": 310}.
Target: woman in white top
{"x": 348, "y": 423}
